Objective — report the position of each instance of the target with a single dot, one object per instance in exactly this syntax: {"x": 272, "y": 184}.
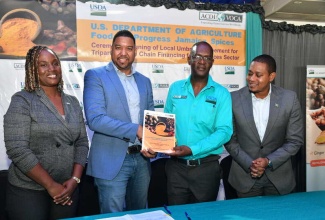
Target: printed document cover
{"x": 158, "y": 131}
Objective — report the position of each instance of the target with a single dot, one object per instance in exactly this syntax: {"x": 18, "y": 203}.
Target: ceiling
{"x": 308, "y": 11}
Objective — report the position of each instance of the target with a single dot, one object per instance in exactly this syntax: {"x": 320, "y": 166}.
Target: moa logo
{"x": 160, "y": 86}
{"x": 231, "y": 86}
{"x": 311, "y": 71}
{"x": 229, "y": 70}
{"x": 157, "y": 68}
{"x": 97, "y": 10}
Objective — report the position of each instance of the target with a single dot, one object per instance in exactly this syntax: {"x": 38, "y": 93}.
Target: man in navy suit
{"x": 268, "y": 131}
{"x": 115, "y": 97}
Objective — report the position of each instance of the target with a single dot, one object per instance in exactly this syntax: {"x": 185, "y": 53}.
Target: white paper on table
{"x": 154, "y": 215}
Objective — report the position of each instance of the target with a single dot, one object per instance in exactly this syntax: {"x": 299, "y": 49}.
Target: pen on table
{"x": 167, "y": 210}
{"x": 187, "y": 216}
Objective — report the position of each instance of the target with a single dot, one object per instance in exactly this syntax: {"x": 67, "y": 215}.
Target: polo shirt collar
{"x": 209, "y": 84}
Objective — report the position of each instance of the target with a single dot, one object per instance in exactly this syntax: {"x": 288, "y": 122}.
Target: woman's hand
{"x": 64, "y": 197}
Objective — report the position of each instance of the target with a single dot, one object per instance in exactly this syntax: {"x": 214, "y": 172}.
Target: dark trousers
{"x": 22, "y": 204}
{"x": 262, "y": 187}
{"x": 192, "y": 184}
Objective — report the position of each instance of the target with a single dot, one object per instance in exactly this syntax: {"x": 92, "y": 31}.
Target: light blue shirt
{"x": 132, "y": 96}
{"x": 204, "y": 122}
{"x": 261, "y": 111}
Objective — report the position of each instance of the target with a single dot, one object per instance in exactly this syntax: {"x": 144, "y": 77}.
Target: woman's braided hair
{"x": 31, "y": 69}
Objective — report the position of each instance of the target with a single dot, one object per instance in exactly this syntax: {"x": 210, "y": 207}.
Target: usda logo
{"x": 229, "y": 70}
{"x": 159, "y": 103}
{"x": 156, "y": 68}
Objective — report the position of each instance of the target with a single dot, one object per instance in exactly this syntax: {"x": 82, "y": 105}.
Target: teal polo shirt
{"x": 204, "y": 122}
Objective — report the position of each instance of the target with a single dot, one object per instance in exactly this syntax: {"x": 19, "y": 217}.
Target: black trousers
{"x": 192, "y": 184}
{"x": 22, "y": 204}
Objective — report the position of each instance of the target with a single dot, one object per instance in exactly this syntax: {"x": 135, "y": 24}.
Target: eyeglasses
{"x": 199, "y": 58}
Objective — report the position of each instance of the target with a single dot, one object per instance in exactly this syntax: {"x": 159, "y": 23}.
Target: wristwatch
{"x": 76, "y": 179}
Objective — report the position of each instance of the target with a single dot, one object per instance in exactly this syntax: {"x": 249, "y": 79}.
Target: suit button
{"x": 71, "y": 143}
{"x": 58, "y": 144}
{"x": 262, "y": 147}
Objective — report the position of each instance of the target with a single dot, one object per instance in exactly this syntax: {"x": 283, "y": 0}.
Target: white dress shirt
{"x": 261, "y": 111}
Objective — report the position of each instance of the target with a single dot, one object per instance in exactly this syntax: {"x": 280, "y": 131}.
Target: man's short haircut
{"x": 124, "y": 33}
{"x": 268, "y": 60}
{"x": 194, "y": 47}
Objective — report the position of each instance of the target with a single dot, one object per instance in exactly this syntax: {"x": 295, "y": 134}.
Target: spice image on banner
{"x": 17, "y": 34}
{"x": 315, "y": 97}
{"x": 62, "y": 40}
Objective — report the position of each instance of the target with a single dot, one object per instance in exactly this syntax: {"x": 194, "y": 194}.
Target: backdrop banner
{"x": 315, "y": 128}
{"x": 82, "y": 35}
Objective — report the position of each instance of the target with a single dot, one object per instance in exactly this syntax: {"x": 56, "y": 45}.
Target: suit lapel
{"x": 46, "y": 101}
{"x": 116, "y": 83}
{"x": 275, "y": 104}
{"x": 246, "y": 100}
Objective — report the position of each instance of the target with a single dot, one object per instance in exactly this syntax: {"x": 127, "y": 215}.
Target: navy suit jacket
{"x": 108, "y": 115}
{"x": 283, "y": 138}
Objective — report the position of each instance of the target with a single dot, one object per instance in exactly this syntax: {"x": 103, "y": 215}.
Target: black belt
{"x": 197, "y": 162}
{"x": 134, "y": 149}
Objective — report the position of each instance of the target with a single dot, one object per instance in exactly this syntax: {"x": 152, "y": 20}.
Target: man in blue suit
{"x": 115, "y": 97}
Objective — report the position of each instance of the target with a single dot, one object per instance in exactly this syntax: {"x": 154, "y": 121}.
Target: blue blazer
{"x": 108, "y": 115}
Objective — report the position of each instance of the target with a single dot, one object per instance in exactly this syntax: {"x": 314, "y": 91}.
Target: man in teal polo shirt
{"x": 203, "y": 124}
